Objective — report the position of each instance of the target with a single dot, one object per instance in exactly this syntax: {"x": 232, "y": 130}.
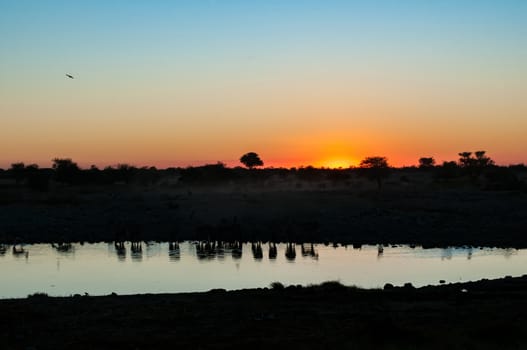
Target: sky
{"x": 312, "y": 82}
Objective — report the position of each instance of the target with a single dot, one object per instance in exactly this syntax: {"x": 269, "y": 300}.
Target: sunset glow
{"x": 323, "y": 83}
{"x": 337, "y": 162}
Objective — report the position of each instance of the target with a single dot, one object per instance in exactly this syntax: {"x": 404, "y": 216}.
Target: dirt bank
{"x": 478, "y": 315}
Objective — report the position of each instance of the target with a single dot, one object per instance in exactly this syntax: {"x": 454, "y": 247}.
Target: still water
{"x": 103, "y": 268}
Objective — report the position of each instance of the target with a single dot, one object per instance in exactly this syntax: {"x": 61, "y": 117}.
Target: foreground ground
{"x": 416, "y": 211}
{"x": 479, "y": 315}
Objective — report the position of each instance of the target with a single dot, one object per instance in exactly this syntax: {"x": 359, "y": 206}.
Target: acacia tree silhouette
{"x": 475, "y": 165}
{"x": 375, "y": 168}
{"x": 427, "y": 162}
{"x": 251, "y": 160}
{"x": 66, "y": 171}
{"x": 465, "y": 159}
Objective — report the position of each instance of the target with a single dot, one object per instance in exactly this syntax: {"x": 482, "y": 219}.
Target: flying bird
{"x": 69, "y": 76}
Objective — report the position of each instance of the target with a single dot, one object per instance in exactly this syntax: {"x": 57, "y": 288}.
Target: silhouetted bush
{"x": 207, "y": 174}
{"x": 277, "y": 286}
{"x": 500, "y": 178}
{"x": 332, "y": 285}
{"x": 426, "y": 162}
{"x": 66, "y": 171}
{"x": 17, "y": 171}
{"x": 449, "y": 170}
{"x": 408, "y": 286}
{"x": 310, "y": 173}
{"x": 375, "y": 168}
{"x": 38, "y": 295}
{"x": 39, "y": 180}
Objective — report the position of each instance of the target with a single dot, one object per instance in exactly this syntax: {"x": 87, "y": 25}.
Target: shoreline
{"x": 487, "y": 314}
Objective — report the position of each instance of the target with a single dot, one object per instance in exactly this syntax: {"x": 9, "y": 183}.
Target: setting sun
{"x": 337, "y": 162}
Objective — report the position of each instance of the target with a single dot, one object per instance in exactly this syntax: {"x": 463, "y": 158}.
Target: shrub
{"x": 277, "y": 286}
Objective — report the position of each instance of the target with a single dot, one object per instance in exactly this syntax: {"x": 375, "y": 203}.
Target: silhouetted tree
{"x": 125, "y": 172}
{"x": 474, "y": 165}
{"x": 375, "y": 168}
{"x": 31, "y": 168}
{"x": 465, "y": 159}
{"x": 18, "y": 171}
{"x": 251, "y": 160}
{"x": 426, "y": 162}
{"x": 482, "y": 160}
{"x": 448, "y": 170}
{"x": 66, "y": 171}
{"x": 209, "y": 173}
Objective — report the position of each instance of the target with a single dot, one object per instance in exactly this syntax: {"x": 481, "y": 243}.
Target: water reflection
{"x": 63, "y": 247}
{"x": 136, "y": 251}
{"x": 257, "y": 250}
{"x": 380, "y": 250}
{"x": 174, "y": 253}
{"x": 120, "y": 250}
{"x": 204, "y": 265}
{"x": 208, "y": 250}
{"x": 446, "y": 253}
{"x": 272, "y": 251}
{"x": 308, "y": 250}
{"x": 237, "y": 250}
{"x": 19, "y": 251}
{"x": 290, "y": 251}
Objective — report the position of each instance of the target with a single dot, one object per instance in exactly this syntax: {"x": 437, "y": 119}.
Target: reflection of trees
{"x": 308, "y": 250}
{"x": 174, "y": 253}
{"x": 120, "y": 249}
{"x": 446, "y": 253}
{"x": 272, "y": 250}
{"x": 18, "y": 250}
{"x": 290, "y": 251}
{"x": 206, "y": 250}
{"x": 257, "y": 250}
{"x": 236, "y": 250}
{"x": 508, "y": 252}
{"x": 63, "y": 247}
{"x": 137, "y": 251}
{"x": 213, "y": 249}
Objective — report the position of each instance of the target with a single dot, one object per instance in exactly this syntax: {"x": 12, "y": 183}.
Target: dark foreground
{"x": 479, "y": 315}
{"x": 400, "y": 214}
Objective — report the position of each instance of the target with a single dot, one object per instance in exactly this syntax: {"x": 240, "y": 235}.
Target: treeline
{"x": 475, "y": 167}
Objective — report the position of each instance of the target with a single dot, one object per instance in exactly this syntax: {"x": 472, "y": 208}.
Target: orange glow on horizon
{"x": 336, "y": 162}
